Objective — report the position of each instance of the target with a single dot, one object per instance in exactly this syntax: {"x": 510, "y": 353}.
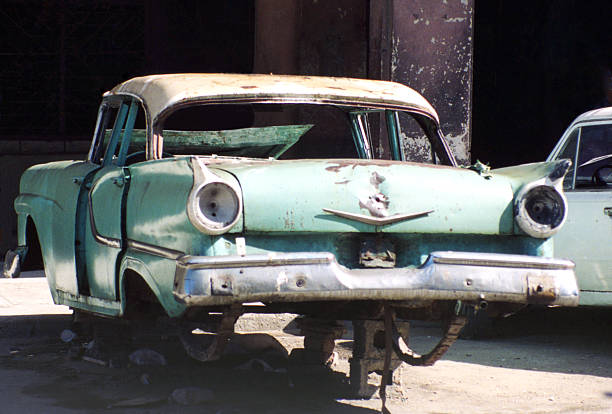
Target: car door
{"x": 66, "y": 184}
{"x": 586, "y": 237}
{"x": 102, "y": 228}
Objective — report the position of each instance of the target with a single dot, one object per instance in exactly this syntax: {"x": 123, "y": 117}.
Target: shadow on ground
{"x": 33, "y": 344}
{"x": 564, "y": 340}
{"x": 570, "y": 341}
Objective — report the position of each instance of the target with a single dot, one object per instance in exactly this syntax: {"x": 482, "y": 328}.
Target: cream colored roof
{"x": 160, "y": 92}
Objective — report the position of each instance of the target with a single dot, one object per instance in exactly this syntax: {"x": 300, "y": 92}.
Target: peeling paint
{"x": 441, "y": 71}
{"x": 281, "y": 280}
{"x": 455, "y": 19}
{"x": 394, "y": 55}
{"x": 416, "y": 148}
{"x": 459, "y": 144}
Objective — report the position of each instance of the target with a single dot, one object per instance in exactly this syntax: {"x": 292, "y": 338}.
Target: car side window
{"x": 594, "y": 156}
{"x": 121, "y": 133}
{"x": 569, "y": 152}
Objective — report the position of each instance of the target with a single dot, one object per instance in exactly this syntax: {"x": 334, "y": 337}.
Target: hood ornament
{"x": 376, "y": 205}
{"x": 377, "y": 221}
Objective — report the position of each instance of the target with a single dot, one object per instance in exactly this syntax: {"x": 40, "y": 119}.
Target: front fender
{"x": 167, "y": 301}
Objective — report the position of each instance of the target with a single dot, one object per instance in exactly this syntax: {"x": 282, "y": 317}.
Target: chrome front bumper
{"x": 299, "y": 277}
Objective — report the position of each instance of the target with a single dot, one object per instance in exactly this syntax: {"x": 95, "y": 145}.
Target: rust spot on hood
{"x": 336, "y": 165}
{"x": 376, "y": 179}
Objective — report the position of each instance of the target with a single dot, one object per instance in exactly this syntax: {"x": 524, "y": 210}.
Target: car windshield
{"x": 289, "y": 131}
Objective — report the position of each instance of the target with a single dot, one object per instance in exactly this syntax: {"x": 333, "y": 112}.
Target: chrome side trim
{"x": 272, "y": 259}
{"x": 107, "y": 241}
{"x": 154, "y": 250}
{"x": 377, "y": 221}
{"x": 500, "y": 260}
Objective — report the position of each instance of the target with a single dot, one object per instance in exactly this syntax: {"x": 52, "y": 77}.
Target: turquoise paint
{"x": 156, "y": 206}
{"x": 127, "y": 134}
{"x": 106, "y": 193}
{"x": 161, "y": 285}
{"x": 588, "y": 298}
{"x": 283, "y": 203}
{"x": 411, "y": 249}
{"x": 284, "y": 196}
{"x": 52, "y": 201}
{"x": 117, "y": 130}
{"x": 392, "y": 118}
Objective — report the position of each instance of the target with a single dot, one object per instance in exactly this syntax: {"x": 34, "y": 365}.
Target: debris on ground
{"x": 255, "y": 343}
{"x": 145, "y": 379}
{"x": 191, "y": 395}
{"x": 94, "y": 360}
{"x": 257, "y": 364}
{"x": 67, "y": 335}
{"x": 138, "y": 402}
{"x": 145, "y": 356}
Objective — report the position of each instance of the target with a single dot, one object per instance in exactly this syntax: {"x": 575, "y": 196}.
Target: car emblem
{"x": 377, "y": 205}
{"x": 377, "y": 221}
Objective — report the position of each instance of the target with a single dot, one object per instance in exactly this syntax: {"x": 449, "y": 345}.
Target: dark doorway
{"x": 537, "y": 65}
{"x": 57, "y": 57}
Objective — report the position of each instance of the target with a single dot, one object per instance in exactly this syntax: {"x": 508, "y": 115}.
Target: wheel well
{"x": 141, "y": 302}
{"x": 33, "y": 258}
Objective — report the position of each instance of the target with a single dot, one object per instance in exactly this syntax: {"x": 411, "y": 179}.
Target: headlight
{"x": 214, "y": 206}
{"x": 540, "y": 210}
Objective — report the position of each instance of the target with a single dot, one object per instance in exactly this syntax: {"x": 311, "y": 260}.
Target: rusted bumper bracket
{"x": 298, "y": 277}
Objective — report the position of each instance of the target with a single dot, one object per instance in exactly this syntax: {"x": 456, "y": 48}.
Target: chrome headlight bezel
{"x": 208, "y": 184}
{"x": 540, "y": 209}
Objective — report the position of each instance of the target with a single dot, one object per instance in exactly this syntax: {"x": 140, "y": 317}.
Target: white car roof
{"x": 594, "y": 115}
{"x": 161, "y": 92}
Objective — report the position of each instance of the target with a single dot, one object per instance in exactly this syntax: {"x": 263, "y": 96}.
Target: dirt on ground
{"x": 540, "y": 361}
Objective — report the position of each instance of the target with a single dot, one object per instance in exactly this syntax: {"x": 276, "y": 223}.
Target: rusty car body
{"x": 190, "y": 205}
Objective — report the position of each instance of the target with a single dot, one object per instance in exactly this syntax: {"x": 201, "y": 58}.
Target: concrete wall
{"x": 427, "y": 45}
{"x": 424, "y": 44}
{"x": 311, "y": 37}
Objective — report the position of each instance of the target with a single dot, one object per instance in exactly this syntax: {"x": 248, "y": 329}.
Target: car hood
{"x": 340, "y": 196}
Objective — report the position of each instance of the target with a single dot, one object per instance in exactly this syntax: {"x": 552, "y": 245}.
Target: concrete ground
{"x": 543, "y": 361}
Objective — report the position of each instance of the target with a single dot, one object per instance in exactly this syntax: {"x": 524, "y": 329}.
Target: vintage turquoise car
{"x": 190, "y": 204}
{"x": 587, "y": 236}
